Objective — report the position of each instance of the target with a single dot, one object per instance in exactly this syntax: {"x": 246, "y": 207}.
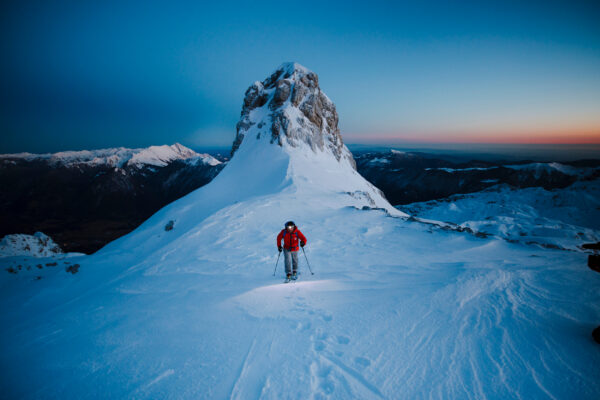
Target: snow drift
{"x": 559, "y": 218}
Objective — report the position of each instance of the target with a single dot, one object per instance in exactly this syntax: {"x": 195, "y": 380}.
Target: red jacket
{"x": 290, "y": 239}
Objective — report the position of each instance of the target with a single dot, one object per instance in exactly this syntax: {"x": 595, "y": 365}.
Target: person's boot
{"x": 288, "y": 278}
{"x": 294, "y": 276}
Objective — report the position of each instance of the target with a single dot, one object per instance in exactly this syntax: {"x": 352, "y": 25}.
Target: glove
{"x": 302, "y": 244}
{"x": 280, "y": 248}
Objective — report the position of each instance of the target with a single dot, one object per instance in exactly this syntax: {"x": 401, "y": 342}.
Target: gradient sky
{"x": 78, "y": 75}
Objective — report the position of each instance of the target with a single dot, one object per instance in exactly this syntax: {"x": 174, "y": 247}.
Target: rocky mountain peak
{"x": 289, "y": 106}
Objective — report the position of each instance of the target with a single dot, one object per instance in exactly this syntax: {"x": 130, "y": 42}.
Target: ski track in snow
{"x": 161, "y": 377}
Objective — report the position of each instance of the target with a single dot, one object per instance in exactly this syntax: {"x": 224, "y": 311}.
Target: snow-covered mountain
{"x": 279, "y": 153}
{"x": 290, "y": 110}
{"x": 408, "y": 177}
{"x": 85, "y": 199}
{"x": 558, "y": 218}
{"x": 187, "y": 305}
{"x": 120, "y": 157}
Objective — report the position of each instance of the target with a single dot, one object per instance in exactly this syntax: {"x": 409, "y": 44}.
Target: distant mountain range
{"x": 120, "y": 157}
{"x": 556, "y": 218}
{"x": 408, "y": 177}
{"x": 84, "y": 199}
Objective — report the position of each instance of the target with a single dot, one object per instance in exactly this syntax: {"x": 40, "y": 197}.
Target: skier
{"x": 291, "y": 235}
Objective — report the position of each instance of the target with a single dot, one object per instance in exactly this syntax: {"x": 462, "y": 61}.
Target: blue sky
{"x": 81, "y": 75}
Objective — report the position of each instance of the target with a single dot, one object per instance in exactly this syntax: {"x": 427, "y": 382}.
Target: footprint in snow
{"x": 362, "y": 362}
{"x": 319, "y": 346}
{"x": 343, "y": 339}
{"x": 326, "y": 385}
{"x": 319, "y": 340}
{"x": 322, "y": 335}
{"x": 302, "y": 326}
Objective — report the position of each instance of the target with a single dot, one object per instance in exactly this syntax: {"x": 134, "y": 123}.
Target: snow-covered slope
{"x": 559, "y": 218}
{"x": 118, "y": 157}
{"x": 395, "y": 309}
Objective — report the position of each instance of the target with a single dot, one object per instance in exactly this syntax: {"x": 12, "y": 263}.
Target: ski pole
{"x": 307, "y": 263}
{"x": 276, "y": 264}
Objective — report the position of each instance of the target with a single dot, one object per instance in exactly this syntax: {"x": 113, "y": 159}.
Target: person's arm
{"x": 279, "y": 237}
{"x": 302, "y": 238}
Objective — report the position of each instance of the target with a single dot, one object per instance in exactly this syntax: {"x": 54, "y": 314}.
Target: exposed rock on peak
{"x": 36, "y": 245}
{"x": 290, "y": 106}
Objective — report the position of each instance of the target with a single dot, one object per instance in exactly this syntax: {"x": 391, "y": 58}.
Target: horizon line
{"x": 577, "y": 138}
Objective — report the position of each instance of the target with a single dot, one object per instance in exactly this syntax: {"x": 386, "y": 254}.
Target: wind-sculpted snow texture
{"x": 396, "y": 308}
{"x": 559, "y": 218}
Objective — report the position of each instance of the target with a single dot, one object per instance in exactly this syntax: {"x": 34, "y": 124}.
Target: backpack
{"x": 293, "y": 233}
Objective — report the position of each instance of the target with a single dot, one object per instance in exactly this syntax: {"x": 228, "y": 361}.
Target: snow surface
{"x": 293, "y": 67}
{"x": 561, "y": 218}
{"x": 396, "y": 308}
{"x": 158, "y": 156}
{"x": 36, "y": 245}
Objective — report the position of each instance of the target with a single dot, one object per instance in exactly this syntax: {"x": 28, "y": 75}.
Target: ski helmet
{"x": 290, "y": 223}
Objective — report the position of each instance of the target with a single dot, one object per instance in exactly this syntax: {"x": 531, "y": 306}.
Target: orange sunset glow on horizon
{"x": 523, "y": 137}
